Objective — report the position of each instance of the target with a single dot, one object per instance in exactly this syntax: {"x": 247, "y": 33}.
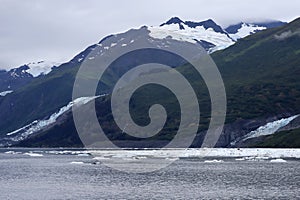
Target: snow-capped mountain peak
{"x": 206, "y": 24}
{"x": 19, "y": 72}
{"x": 210, "y": 35}
{"x": 173, "y": 20}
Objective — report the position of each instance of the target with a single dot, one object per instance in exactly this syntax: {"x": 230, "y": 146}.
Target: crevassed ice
{"x": 269, "y": 128}
{"x": 37, "y": 125}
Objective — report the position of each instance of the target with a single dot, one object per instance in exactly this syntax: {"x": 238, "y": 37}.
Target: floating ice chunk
{"x": 33, "y": 154}
{"x": 278, "y": 160}
{"x": 101, "y": 158}
{"x": 256, "y": 158}
{"x": 77, "y": 163}
{"x": 11, "y": 152}
{"x": 83, "y": 154}
{"x": 213, "y": 161}
{"x": 172, "y": 159}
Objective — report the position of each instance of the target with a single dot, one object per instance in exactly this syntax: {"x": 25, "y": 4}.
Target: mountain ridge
{"x": 228, "y": 58}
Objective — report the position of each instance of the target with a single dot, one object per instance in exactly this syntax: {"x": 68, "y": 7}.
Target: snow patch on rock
{"x": 41, "y": 67}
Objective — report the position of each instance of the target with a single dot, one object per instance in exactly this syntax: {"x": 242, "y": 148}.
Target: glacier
{"x": 270, "y": 128}
{"x": 37, "y": 125}
{"x": 267, "y": 129}
{"x": 4, "y": 93}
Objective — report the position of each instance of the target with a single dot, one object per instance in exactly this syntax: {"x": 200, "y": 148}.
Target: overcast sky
{"x": 56, "y": 30}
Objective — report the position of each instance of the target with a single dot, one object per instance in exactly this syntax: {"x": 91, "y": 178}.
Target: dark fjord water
{"x": 69, "y": 176}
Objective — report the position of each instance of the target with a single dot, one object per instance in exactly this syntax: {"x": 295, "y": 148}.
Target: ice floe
{"x": 33, "y": 154}
{"x": 213, "y": 161}
{"x": 77, "y": 163}
{"x": 278, "y": 160}
{"x": 243, "y": 153}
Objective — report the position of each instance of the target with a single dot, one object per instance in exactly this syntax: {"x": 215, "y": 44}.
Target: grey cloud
{"x": 287, "y": 34}
{"x": 56, "y": 30}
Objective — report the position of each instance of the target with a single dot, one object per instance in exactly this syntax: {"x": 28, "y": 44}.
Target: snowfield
{"x": 246, "y": 30}
{"x": 41, "y": 67}
{"x": 192, "y": 35}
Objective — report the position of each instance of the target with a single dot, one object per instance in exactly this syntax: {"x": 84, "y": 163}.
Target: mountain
{"x": 14, "y": 78}
{"x": 210, "y": 35}
{"x": 266, "y": 66}
{"x": 260, "y": 73}
{"x": 205, "y": 24}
